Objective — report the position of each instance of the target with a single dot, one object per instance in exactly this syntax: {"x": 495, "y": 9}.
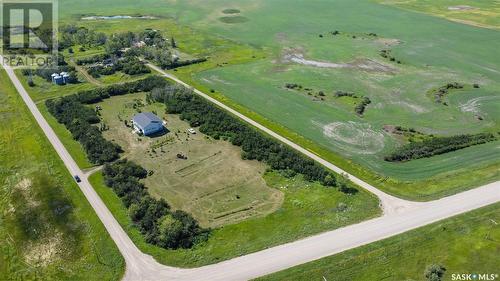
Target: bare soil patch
{"x": 461, "y": 8}
{"x": 363, "y": 64}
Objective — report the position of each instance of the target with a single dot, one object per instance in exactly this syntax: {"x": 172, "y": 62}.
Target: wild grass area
{"x": 213, "y": 183}
{"x": 464, "y": 244}
{"x": 307, "y": 209}
{"x": 482, "y": 13}
{"x": 48, "y": 230}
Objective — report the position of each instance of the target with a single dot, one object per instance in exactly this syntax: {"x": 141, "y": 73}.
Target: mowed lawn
{"x": 214, "y": 184}
{"x": 465, "y": 244}
{"x": 48, "y": 230}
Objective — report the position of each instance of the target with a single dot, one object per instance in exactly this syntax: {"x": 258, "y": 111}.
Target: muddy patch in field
{"x": 410, "y": 106}
{"x": 461, "y": 8}
{"x": 354, "y": 137}
{"x": 388, "y": 42}
{"x": 294, "y": 55}
{"x": 45, "y": 251}
{"x": 474, "y": 105}
{"x": 213, "y": 79}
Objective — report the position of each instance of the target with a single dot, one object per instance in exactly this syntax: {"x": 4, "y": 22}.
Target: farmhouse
{"x": 147, "y": 123}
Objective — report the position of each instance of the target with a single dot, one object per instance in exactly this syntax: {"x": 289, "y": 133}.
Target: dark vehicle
{"x": 77, "y": 178}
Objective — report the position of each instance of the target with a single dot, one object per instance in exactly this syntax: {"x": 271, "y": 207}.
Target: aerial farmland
{"x": 256, "y": 139}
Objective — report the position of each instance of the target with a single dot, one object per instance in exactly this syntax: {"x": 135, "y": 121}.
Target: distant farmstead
{"x": 147, "y": 123}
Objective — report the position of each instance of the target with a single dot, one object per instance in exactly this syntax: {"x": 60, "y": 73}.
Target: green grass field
{"x": 213, "y": 184}
{"x": 268, "y": 50}
{"x": 464, "y": 244}
{"x": 48, "y": 230}
{"x": 307, "y": 209}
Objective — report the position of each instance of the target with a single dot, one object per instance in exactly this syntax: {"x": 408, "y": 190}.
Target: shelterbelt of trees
{"x": 218, "y": 124}
{"x": 159, "y": 225}
{"x": 437, "y": 145}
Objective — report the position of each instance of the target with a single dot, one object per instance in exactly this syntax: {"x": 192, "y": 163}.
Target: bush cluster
{"x": 440, "y": 93}
{"x": 157, "y": 222}
{"x": 180, "y": 63}
{"x": 78, "y": 119}
{"x": 360, "y": 108}
{"x": 436, "y": 146}
{"x": 129, "y": 65}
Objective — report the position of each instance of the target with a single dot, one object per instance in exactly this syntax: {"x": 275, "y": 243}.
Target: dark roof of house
{"x": 146, "y": 118}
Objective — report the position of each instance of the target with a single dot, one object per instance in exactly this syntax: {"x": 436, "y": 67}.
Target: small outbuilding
{"x": 147, "y": 123}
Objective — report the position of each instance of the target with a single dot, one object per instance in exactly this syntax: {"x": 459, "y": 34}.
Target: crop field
{"x": 464, "y": 244}
{"x": 213, "y": 184}
{"x": 255, "y": 49}
{"x": 483, "y": 13}
{"x": 48, "y": 230}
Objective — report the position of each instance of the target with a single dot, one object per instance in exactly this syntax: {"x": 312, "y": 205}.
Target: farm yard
{"x": 240, "y": 199}
{"x": 182, "y": 175}
{"x": 213, "y": 183}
